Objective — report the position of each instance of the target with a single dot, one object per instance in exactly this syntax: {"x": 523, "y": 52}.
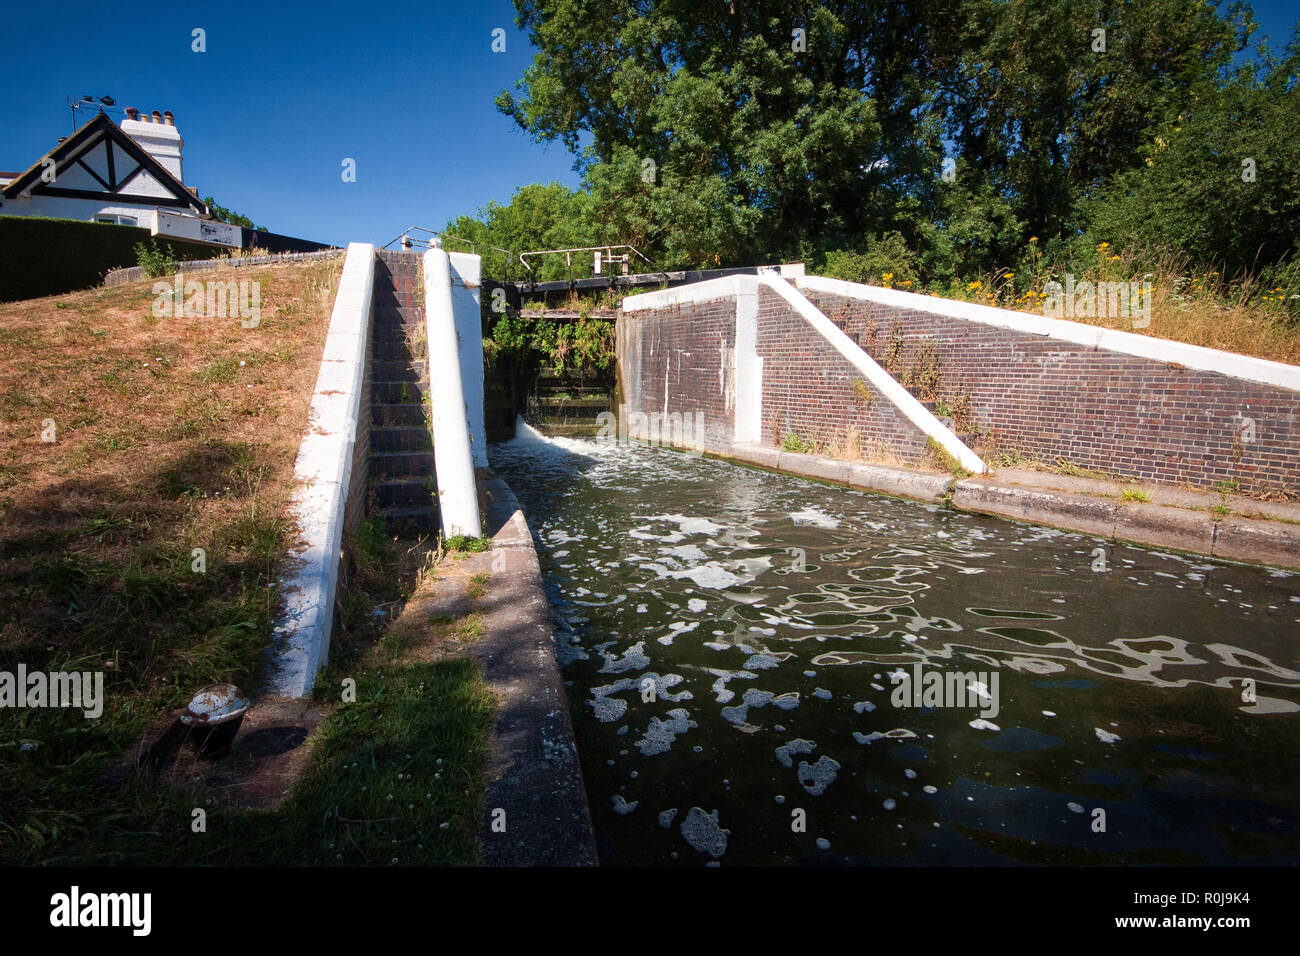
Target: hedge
{"x": 40, "y": 257}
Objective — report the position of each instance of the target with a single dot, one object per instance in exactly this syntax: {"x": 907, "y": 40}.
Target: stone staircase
{"x": 967, "y": 438}
{"x": 402, "y": 488}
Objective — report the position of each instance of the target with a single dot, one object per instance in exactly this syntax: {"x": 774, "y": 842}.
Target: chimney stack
{"x": 157, "y": 135}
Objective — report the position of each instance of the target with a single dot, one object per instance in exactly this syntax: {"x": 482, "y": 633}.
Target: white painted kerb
{"x": 453, "y": 457}
{"x": 322, "y": 474}
{"x": 465, "y": 272}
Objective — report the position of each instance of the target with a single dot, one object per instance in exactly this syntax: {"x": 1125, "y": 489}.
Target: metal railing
{"x": 600, "y": 256}
{"x": 432, "y": 239}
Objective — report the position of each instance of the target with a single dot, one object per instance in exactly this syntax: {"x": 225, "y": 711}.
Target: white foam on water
{"x": 696, "y": 605}
{"x": 889, "y": 803}
{"x": 930, "y": 789}
{"x": 686, "y": 552}
{"x": 979, "y": 723}
{"x": 608, "y": 709}
{"x": 814, "y": 517}
{"x": 622, "y": 807}
{"x": 666, "y": 818}
{"x": 1074, "y": 807}
{"x": 863, "y": 706}
{"x": 702, "y": 831}
{"x": 823, "y": 843}
{"x": 690, "y": 525}
{"x": 711, "y": 575}
{"x": 815, "y": 778}
{"x": 1105, "y": 736}
{"x": 822, "y": 693}
{"x": 659, "y": 736}
{"x": 787, "y": 751}
{"x": 633, "y": 659}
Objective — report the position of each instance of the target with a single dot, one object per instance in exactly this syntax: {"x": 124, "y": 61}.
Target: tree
{"x": 1220, "y": 183}
{"x": 772, "y": 130}
{"x": 222, "y": 214}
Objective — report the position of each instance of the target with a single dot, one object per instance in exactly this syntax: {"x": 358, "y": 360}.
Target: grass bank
{"x": 146, "y": 471}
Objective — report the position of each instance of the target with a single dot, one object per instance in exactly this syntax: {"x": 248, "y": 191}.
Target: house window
{"x": 117, "y": 220}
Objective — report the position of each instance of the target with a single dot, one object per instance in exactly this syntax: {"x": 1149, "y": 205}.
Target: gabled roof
{"x": 103, "y": 140}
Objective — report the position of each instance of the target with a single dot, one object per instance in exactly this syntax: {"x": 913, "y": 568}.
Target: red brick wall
{"x": 808, "y": 389}
{"x": 1119, "y": 413}
{"x": 680, "y": 349}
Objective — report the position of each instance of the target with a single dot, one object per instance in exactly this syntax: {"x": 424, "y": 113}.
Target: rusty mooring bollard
{"x": 213, "y": 716}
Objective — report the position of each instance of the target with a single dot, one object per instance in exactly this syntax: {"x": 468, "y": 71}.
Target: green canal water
{"x": 734, "y": 643}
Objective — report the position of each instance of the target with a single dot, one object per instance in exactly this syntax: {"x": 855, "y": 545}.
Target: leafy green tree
{"x": 222, "y": 214}
{"x": 1220, "y": 183}
{"x": 741, "y": 132}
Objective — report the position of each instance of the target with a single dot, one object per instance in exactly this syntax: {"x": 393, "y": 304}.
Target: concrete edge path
{"x": 1174, "y": 518}
{"x": 534, "y": 774}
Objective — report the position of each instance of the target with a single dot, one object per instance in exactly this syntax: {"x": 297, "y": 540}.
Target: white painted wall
{"x": 465, "y": 280}
{"x": 160, "y": 141}
{"x": 748, "y": 365}
{"x": 322, "y": 476}
{"x": 453, "y": 457}
{"x": 173, "y": 226}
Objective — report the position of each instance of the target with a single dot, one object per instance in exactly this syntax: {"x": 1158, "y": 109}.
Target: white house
{"x": 130, "y": 175}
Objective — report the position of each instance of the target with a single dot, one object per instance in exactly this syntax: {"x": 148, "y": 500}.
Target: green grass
{"x": 791, "y": 442}
{"x": 1065, "y": 467}
{"x": 463, "y": 542}
{"x": 945, "y": 460}
{"x": 477, "y": 586}
{"x": 471, "y": 628}
{"x": 1134, "y": 494}
{"x": 1011, "y": 459}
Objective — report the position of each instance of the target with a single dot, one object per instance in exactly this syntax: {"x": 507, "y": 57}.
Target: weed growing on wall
{"x": 154, "y": 259}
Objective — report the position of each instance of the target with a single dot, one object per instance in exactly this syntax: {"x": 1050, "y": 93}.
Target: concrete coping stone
{"x": 534, "y": 769}
{"x": 884, "y": 479}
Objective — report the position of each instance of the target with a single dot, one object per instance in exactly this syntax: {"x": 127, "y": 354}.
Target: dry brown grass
{"x": 1213, "y": 316}
{"x": 172, "y": 434}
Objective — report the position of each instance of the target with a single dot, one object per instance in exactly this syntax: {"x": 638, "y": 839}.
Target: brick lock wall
{"x": 1097, "y": 409}
{"x": 685, "y": 351}
{"x": 808, "y": 389}
{"x": 359, "y": 478}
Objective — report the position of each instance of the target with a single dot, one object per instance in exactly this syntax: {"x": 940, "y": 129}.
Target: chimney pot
{"x": 132, "y": 113}
{"x": 169, "y": 118}
{"x": 157, "y": 117}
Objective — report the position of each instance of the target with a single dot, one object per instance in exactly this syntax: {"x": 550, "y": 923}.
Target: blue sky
{"x": 286, "y": 91}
